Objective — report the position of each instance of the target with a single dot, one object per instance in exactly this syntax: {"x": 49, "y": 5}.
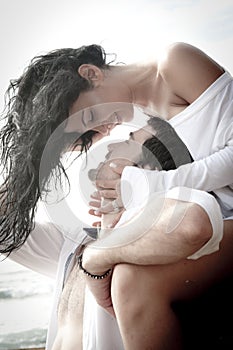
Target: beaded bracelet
{"x": 96, "y": 277}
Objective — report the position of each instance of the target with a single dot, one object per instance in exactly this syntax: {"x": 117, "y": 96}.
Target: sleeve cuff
{"x": 138, "y": 184}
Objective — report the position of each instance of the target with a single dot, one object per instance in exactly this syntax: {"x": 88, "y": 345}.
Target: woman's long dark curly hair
{"x": 36, "y": 104}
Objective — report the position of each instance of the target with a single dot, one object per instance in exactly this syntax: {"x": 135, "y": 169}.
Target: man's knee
{"x": 194, "y": 224}
{"x": 123, "y": 281}
{"x": 201, "y": 225}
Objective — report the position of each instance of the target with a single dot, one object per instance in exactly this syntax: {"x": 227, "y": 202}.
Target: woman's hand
{"x": 112, "y": 207}
{"x": 95, "y": 205}
{"x": 110, "y": 189}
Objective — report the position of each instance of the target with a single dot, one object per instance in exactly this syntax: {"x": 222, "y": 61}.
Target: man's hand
{"x": 100, "y": 288}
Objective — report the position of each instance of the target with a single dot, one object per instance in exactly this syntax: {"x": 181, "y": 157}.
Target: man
{"x": 69, "y": 317}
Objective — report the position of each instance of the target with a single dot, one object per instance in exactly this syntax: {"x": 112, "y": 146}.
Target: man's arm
{"x": 166, "y": 231}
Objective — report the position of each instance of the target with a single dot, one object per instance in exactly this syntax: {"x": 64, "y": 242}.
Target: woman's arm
{"x": 41, "y": 250}
{"x": 208, "y": 174}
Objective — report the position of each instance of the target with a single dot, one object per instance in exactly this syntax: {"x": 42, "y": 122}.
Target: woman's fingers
{"x": 117, "y": 167}
{"x": 114, "y": 206}
{"x": 109, "y": 194}
{"x": 95, "y": 204}
{"x": 96, "y": 224}
{"x": 102, "y": 184}
{"x": 94, "y": 213}
{"x": 96, "y": 195}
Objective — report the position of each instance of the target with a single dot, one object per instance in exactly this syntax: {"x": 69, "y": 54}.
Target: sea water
{"x": 25, "y": 305}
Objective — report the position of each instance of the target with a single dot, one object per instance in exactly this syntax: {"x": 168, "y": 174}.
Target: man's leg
{"x": 142, "y": 295}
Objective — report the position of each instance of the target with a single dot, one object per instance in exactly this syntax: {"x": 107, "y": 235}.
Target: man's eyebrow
{"x": 131, "y": 136}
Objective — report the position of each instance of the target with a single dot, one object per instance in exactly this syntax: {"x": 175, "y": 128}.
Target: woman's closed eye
{"x": 91, "y": 116}
{"x": 88, "y": 117}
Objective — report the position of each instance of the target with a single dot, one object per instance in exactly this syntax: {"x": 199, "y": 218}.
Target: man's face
{"x": 126, "y": 152}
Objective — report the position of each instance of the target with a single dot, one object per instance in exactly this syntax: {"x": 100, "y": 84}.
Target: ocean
{"x": 25, "y": 305}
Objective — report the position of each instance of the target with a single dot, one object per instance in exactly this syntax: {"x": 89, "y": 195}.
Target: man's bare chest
{"x": 72, "y": 297}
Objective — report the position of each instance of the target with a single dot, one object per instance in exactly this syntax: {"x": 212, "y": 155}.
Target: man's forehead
{"x": 142, "y": 134}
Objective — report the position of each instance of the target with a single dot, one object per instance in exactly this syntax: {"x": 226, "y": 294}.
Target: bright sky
{"x": 134, "y": 29}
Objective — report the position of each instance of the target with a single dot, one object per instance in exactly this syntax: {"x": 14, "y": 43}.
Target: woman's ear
{"x": 91, "y": 73}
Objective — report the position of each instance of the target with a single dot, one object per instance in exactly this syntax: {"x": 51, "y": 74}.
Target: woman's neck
{"x": 140, "y": 80}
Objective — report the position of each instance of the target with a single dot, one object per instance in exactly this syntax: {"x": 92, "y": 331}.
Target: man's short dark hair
{"x": 165, "y": 150}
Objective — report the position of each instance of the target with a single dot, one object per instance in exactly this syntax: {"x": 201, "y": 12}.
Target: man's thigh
{"x": 189, "y": 278}
{"x": 179, "y": 281}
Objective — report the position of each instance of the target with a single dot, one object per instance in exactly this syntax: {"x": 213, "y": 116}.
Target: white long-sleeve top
{"x": 50, "y": 250}
{"x": 206, "y": 127}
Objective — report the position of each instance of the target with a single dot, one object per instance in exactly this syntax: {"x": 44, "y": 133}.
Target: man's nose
{"x": 105, "y": 129}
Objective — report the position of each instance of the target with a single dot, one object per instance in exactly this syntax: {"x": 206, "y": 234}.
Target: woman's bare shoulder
{"x": 188, "y": 70}
{"x": 180, "y": 54}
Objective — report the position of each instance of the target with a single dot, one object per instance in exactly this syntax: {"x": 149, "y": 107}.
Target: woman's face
{"x": 101, "y": 108}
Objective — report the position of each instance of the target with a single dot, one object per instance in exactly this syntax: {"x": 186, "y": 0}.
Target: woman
{"x": 65, "y": 83}
{"x": 97, "y": 96}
